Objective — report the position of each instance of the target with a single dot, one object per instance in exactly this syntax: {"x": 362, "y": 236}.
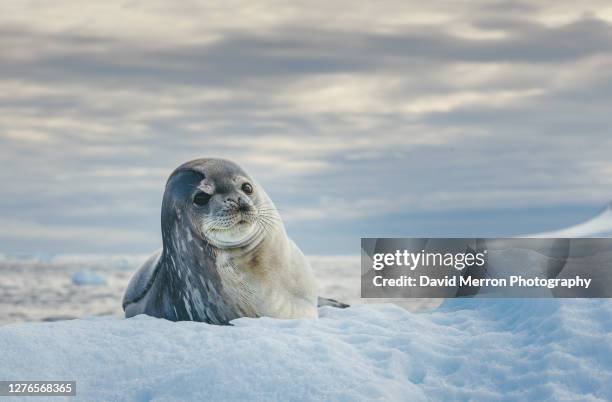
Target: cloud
{"x": 393, "y": 108}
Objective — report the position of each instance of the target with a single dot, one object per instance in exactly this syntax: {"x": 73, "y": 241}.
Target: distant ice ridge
{"x": 598, "y": 226}
{"x": 127, "y": 262}
{"x": 101, "y": 261}
{"x": 499, "y": 350}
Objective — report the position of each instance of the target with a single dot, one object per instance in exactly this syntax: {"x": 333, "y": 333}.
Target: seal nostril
{"x": 243, "y": 206}
{"x": 232, "y": 203}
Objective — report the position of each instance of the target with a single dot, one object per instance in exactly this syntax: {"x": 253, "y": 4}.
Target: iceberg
{"x": 88, "y": 278}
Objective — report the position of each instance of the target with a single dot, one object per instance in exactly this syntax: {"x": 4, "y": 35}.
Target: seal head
{"x": 220, "y": 202}
{"x": 225, "y": 253}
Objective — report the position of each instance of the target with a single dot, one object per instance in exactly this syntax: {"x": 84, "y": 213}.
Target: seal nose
{"x": 238, "y": 204}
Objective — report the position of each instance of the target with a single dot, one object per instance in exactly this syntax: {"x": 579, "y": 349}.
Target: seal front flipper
{"x": 322, "y": 301}
{"x": 141, "y": 282}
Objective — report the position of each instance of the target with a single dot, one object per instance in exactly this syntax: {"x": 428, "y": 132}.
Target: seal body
{"x": 225, "y": 253}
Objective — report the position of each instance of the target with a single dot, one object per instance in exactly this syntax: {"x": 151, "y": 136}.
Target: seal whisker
{"x": 264, "y": 224}
{"x": 267, "y": 210}
{"x": 265, "y": 218}
{"x": 269, "y": 215}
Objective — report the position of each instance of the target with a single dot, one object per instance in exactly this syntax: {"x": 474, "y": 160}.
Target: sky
{"x": 361, "y": 119}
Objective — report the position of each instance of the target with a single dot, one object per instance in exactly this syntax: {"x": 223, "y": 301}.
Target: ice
{"x": 88, "y": 278}
{"x": 100, "y": 261}
{"x": 598, "y": 226}
{"x": 466, "y": 349}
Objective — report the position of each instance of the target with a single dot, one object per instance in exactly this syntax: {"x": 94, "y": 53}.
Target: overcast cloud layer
{"x": 360, "y": 118}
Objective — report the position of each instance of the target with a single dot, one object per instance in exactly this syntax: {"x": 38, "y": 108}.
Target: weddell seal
{"x": 225, "y": 253}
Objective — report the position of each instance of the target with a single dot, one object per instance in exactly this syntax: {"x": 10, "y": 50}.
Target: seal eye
{"x": 247, "y": 188}
{"x": 201, "y": 198}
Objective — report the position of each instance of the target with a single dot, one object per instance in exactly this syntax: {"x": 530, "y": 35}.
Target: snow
{"x": 88, "y": 278}
{"x": 532, "y": 349}
{"x": 466, "y": 349}
{"x": 598, "y": 226}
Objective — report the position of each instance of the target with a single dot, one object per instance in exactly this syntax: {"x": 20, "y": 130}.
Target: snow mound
{"x": 88, "y": 278}
{"x": 598, "y": 226}
{"x": 467, "y": 349}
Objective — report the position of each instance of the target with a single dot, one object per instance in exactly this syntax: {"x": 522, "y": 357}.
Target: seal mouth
{"x": 237, "y": 229}
{"x": 227, "y": 231}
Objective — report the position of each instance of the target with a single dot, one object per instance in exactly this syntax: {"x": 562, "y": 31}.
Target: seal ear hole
{"x": 201, "y": 199}
{"x": 247, "y": 188}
